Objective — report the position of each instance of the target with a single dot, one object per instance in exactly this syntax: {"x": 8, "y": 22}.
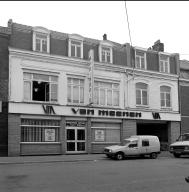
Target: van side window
{"x": 145, "y": 143}
{"x": 133, "y": 144}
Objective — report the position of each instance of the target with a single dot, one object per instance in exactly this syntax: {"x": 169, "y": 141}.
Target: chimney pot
{"x": 105, "y": 37}
{"x": 158, "y": 46}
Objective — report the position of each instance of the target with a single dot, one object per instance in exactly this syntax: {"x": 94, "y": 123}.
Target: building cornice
{"x": 63, "y": 60}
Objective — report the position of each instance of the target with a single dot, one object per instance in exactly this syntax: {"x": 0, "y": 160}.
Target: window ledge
{"x": 36, "y": 143}
{"x": 166, "y": 109}
{"x": 42, "y": 102}
{"x": 142, "y": 106}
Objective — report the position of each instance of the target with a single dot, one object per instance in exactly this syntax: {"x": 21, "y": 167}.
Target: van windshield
{"x": 183, "y": 137}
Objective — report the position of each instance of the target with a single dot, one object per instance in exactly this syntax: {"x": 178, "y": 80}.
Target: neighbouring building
{"x": 73, "y": 94}
{"x": 184, "y": 95}
{"x": 4, "y": 63}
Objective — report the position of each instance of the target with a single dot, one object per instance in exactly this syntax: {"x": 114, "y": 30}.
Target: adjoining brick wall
{"x": 88, "y": 135}
{"x": 129, "y": 128}
{"x": 14, "y": 123}
{"x": 173, "y": 131}
{"x": 40, "y": 149}
{"x": 184, "y": 96}
{"x": 4, "y": 129}
{"x": 184, "y": 124}
{"x": 63, "y": 135}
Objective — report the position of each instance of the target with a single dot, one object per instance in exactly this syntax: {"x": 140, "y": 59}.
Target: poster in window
{"x": 50, "y": 135}
{"x": 99, "y": 135}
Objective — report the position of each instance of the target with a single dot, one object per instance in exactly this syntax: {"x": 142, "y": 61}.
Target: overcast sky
{"x": 149, "y": 21}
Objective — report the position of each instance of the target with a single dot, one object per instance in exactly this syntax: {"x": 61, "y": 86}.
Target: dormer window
{"x": 41, "y": 40}
{"x": 140, "y": 59}
{"x": 164, "y": 63}
{"x": 75, "y": 46}
{"x": 105, "y": 52}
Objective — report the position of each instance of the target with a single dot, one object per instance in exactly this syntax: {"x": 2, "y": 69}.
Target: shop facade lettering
{"x": 105, "y": 113}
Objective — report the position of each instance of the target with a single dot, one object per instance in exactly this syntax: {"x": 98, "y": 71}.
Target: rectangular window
{"x": 33, "y": 130}
{"x": 76, "y": 49}
{"x": 164, "y": 63}
{"x": 41, "y": 42}
{"x": 165, "y": 96}
{"x": 140, "y": 59}
{"x": 105, "y": 132}
{"x": 106, "y": 54}
{"x": 106, "y": 94}
{"x": 141, "y": 94}
{"x": 145, "y": 143}
{"x": 75, "y": 92}
{"x": 39, "y": 87}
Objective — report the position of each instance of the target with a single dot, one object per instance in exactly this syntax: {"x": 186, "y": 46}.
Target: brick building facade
{"x": 73, "y": 94}
{"x": 184, "y": 95}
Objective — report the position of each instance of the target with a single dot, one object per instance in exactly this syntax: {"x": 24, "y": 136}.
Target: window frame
{"x": 162, "y": 63}
{"x": 140, "y": 58}
{"x": 41, "y": 31}
{"x": 165, "y": 97}
{"x": 106, "y": 45}
{"x": 36, "y": 133}
{"x": 79, "y": 88}
{"x": 79, "y": 39}
{"x": 32, "y": 79}
{"x": 141, "y": 94}
{"x": 106, "y": 90}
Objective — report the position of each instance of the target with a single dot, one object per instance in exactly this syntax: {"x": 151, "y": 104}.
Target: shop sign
{"x": 99, "y": 135}
{"x": 48, "y": 109}
{"x": 156, "y": 115}
{"x": 50, "y": 135}
{"x": 75, "y": 123}
{"x": 111, "y": 113}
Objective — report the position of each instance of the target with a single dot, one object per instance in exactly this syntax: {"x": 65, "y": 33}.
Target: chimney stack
{"x": 105, "y": 37}
{"x": 158, "y": 46}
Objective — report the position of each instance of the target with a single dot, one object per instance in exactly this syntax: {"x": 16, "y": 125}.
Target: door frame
{"x": 76, "y": 141}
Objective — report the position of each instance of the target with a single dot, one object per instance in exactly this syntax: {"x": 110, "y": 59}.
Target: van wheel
{"x": 119, "y": 156}
{"x": 176, "y": 155}
{"x": 153, "y": 155}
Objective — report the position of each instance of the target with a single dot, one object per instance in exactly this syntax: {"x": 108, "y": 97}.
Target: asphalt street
{"x": 165, "y": 174}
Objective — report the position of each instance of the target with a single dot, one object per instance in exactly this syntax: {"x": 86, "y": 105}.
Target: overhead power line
{"x": 128, "y": 23}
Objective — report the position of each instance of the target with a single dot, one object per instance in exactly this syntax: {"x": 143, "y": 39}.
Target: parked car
{"x": 138, "y": 145}
{"x": 181, "y": 146}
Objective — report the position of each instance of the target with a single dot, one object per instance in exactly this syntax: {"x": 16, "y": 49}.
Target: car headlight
{"x": 171, "y": 148}
{"x": 186, "y": 148}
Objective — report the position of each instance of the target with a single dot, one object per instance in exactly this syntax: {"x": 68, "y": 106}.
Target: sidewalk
{"x": 60, "y": 158}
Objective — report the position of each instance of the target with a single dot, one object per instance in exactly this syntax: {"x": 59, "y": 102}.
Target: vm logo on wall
{"x": 48, "y": 109}
{"x": 156, "y": 115}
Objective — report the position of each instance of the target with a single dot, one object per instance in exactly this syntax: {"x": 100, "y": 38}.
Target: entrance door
{"x": 76, "y": 140}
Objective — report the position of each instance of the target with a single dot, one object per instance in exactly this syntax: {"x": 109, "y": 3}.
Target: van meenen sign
{"x": 107, "y": 113}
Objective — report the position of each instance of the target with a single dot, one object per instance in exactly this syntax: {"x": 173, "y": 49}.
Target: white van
{"x": 138, "y": 145}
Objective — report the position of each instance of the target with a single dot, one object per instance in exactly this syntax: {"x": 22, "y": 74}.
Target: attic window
{"x": 41, "y": 40}
{"x": 75, "y": 46}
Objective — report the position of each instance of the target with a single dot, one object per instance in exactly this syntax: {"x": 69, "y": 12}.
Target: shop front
{"x": 36, "y": 129}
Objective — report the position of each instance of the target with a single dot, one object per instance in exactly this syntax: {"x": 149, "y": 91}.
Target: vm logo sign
{"x": 48, "y": 109}
{"x": 156, "y": 115}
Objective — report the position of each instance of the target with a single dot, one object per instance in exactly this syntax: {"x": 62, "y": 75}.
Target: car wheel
{"x": 176, "y": 155}
{"x": 119, "y": 156}
{"x": 153, "y": 155}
